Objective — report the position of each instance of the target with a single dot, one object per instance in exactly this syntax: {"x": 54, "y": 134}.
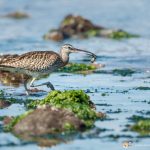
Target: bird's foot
{"x": 32, "y": 85}
{"x": 27, "y": 93}
{"x": 49, "y": 85}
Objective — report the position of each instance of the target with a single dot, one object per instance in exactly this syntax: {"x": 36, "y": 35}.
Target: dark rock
{"x": 47, "y": 120}
{"x": 4, "y": 104}
{"x": 54, "y": 35}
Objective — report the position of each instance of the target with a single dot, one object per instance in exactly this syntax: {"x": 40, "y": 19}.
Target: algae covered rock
{"x": 141, "y": 125}
{"x": 75, "y": 101}
{"x": 59, "y": 112}
{"x": 17, "y": 15}
{"x": 77, "y": 26}
{"x": 54, "y": 35}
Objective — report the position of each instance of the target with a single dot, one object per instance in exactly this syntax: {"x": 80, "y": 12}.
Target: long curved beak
{"x": 87, "y": 52}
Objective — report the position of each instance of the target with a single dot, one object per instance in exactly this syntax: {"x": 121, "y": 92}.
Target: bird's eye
{"x": 69, "y": 47}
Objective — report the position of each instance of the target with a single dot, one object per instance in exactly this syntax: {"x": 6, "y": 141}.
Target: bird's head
{"x": 67, "y": 49}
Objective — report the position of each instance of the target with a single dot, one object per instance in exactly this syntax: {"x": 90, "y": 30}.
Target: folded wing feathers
{"x": 33, "y": 61}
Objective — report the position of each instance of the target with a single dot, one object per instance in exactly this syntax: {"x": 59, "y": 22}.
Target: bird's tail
{"x": 5, "y": 58}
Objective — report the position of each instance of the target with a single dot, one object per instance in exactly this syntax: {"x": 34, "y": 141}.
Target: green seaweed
{"x": 121, "y": 34}
{"x": 143, "y": 88}
{"x": 67, "y": 21}
{"x": 75, "y": 67}
{"x": 114, "y": 34}
{"x": 74, "y": 100}
{"x": 104, "y": 94}
{"x": 68, "y": 127}
{"x": 123, "y": 72}
{"x": 92, "y": 33}
{"x": 136, "y": 118}
{"x": 142, "y": 125}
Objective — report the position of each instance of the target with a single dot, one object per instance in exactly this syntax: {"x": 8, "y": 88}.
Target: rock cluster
{"x": 77, "y": 26}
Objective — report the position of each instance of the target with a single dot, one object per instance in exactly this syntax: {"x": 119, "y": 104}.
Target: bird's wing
{"x": 34, "y": 61}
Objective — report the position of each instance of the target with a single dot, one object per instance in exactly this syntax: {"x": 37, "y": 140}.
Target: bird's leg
{"x": 48, "y": 84}
{"x": 25, "y": 86}
{"x": 32, "y": 81}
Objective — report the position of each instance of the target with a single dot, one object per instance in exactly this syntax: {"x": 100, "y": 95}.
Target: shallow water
{"x": 19, "y": 36}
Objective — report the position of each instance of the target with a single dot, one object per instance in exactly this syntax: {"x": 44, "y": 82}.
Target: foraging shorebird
{"x": 39, "y": 63}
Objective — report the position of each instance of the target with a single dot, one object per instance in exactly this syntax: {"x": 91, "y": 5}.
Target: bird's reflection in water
{"x": 16, "y": 80}
{"x": 12, "y": 79}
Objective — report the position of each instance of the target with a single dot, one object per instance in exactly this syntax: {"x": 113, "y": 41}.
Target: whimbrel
{"x": 39, "y": 63}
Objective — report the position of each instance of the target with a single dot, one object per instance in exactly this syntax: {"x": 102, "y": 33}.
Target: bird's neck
{"x": 65, "y": 57}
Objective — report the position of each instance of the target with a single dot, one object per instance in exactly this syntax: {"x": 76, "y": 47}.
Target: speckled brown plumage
{"x": 41, "y": 62}
{"x": 4, "y": 58}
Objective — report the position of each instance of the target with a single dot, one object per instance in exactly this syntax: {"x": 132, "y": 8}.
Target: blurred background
{"x": 38, "y": 17}
{"x": 22, "y": 35}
